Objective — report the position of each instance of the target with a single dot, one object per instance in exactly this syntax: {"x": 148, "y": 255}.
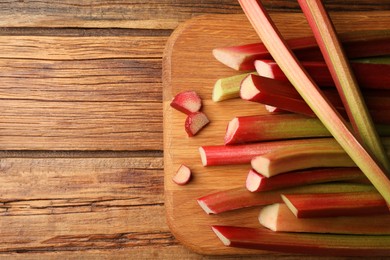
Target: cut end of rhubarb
{"x": 231, "y": 130}
{"x": 195, "y": 122}
{"x": 217, "y": 91}
{"x": 203, "y": 156}
{"x": 291, "y": 206}
{"x": 182, "y": 176}
{"x": 248, "y": 90}
{"x": 264, "y": 69}
{"x": 228, "y": 58}
{"x": 268, "y": 216}
{"x": 253, "y": 181}
{"x": 204, "y": 206}
{"x": 262, "y": 165}
{"x": 187, "y": 102}
{"x": 223, "y": 238}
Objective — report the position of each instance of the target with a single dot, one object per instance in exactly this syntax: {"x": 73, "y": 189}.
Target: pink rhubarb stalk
{"x": 284, "y": 96}
{"x": 256, "y": 182}
{"x": 310, "y": 92}
{"x": 232, "y": 199}
{"x": 344, "y": 78}
{"x": 368, "y": 75}
{"x": 303, "y": 243}
{"x": 278, "y": 217}
{"x": 357, "y": 44}
{"x": 336, "y": 204}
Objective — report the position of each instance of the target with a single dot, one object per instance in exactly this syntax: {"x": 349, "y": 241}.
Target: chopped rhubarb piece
{"x": 195, "y": 122}
{"x": 278, "y": 217}
{"x": 248, "y": 129}
{"x": 368, "y": 75}
{"x": 187, "y": 102}
{"x": 337, "y": 126}
{"x": 309, "y": 155}
{"x": 345, "y": 80}
{"x": 256, "y": 182}
{"x": 232, "y": 199}
{"x": 336, "y": 204}
{"x": 182, "y": 176}
{"x": 357, "y": 45}
{"x": 304, "y": 243}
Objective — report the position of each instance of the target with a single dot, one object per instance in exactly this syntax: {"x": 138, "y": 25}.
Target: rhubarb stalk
{"x": 304, "y": 243}
{"x": 336, "y": 204}
{"x": 336, "y": 125}
{"x": 343, "y": 77}
{"x": 237, "y": 198}
{"x": 278, "y": 217}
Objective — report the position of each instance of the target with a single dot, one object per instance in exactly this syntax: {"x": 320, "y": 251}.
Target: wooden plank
{"x": 88, "y": 93}
{"x": 68, "y": 204}
{"x": 164, "y": 14}
{"x": 188, "y": 59}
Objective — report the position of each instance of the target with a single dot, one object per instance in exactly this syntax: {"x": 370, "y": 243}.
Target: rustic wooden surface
{"x": 81, "y": 139}
{"x": 189, "y": 64}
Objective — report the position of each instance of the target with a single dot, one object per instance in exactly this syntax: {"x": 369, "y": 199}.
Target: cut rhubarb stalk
{"x": 283, "y": 95}
{"x": 357, "y": 45}
{"x": 336, "y": 204}
{"x": 309, "y": 155}
{"x": 187, "y": 102}
{"x": 182, "y": 176}
{"x": 310, "y": 92}
{"x": 228, "y": 88}
{"x": 280, "y": 126}
{"x": 304, "y": 243}
{"x": 273, "y": 109}
{"x": 195, "y": 122}
{"x": 256, "y": 182}
{"x": 278, "y": 217}
{"x": 368, "y": 75}
{"x": 241, "y": 154}
{"x": 344, "y": 78}
{"x": 238, "y": 198}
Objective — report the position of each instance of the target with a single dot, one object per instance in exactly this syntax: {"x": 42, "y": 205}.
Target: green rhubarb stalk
{"x": 343, "y": 77}
{"x": 310, "y": 92}
{"x": 304, "y": 243}
{"x": 278, "y": 217}
{"x": 228, "y": 88}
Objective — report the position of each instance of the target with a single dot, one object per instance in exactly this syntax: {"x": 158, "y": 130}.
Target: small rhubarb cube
{"x": 187, "y": 102}
{"x": 195, "y": 122}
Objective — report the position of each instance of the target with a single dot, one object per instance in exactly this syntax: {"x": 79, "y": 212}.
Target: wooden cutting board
{"x": 188, "y": 64}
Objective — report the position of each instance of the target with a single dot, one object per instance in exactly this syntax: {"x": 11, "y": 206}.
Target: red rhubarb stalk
{"x": 310, "y": 92}
{"x": 256, "y": 182}
{"x": 182, "y": 175}
{"x": 248, "y": 129}
{"x": 278, "y": 217}
{"x": 357, "y": 45}
{"x": 368, "y": 75}
{"x": 284, "y": 96}
{"x": 232, "y": 199}
{"x": 344, "y": 78}
{"x": 336, "y": 204}
{"x": 303, "y": 243}
{"x": 187, "y": 102}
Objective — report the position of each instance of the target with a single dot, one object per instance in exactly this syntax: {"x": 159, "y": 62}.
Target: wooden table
{"x": 81, "y": 166}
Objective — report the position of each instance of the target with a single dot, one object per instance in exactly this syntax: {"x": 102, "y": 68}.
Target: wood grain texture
{"x": 164, "y": 14}
{"x": 89, "y": 93}
{"x": 189, "y": 64}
